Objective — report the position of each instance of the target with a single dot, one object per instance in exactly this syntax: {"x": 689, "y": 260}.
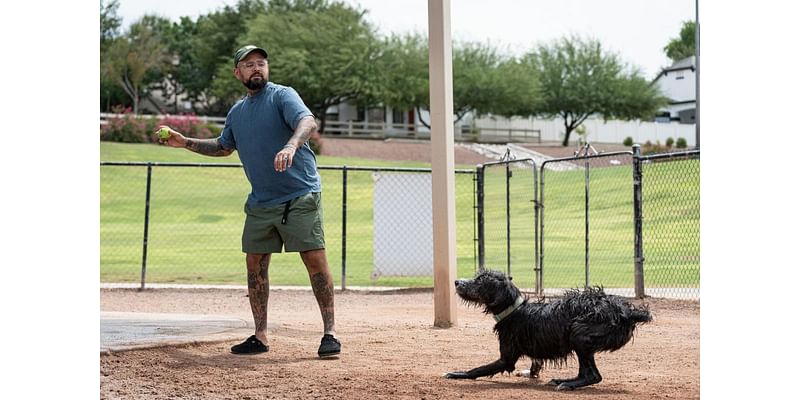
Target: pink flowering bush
{"x": 190, "y": 126}
{"x": 126, "y": 128}
{"x": 129, "y": 128}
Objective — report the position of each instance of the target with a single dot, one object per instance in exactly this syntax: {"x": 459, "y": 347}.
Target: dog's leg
{"x": 533, "y": 373}
{"x": 588, "y": 374}
{"x": 536, "y": 367}
{"x": 485, "y": 370}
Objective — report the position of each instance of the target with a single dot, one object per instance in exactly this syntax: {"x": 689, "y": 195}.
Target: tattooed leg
{"x": 258, "y": 291}
{"x": 322, "y": 284}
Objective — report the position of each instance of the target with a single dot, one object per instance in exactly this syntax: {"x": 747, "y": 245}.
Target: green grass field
{"x": 196, "y": 218}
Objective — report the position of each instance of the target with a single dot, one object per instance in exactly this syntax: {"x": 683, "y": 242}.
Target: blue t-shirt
{"x": 258, "y": 127}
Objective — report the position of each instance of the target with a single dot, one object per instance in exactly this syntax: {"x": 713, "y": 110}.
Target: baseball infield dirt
{"x": 390, "y": 349}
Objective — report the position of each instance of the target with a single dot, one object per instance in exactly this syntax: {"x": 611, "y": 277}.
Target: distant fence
{"x": 597, "y": 130}
{"x": 627, "y": 222}
{"x": 498, "y": 129}
{"x": 384, "y": 130}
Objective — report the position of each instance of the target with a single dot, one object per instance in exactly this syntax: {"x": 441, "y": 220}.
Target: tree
{"x": 403, "y": 80}
{"x": 483, "y": 80}
{"x": 170, "y": 78}
{"x": 216, "y": 36}
{"x": 131, "y": 57}
{"x": 579, "y": 79}
{"x": 110, "y": 22}
{"x": 486, "y": 82}
{"x": 325, "y": 51}
{"x": 520, "y": 89}
{"x": 682, "y": 46}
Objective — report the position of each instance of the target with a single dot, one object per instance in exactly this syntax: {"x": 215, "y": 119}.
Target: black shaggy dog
{"x": 584, "y": 322}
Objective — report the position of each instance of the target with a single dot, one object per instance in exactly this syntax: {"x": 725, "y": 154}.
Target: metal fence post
{"x": 508, "y": 218}
{"x": 638, "y": 256}
{"x": 540, "y": 249}
{"x": 536, "y": 208}
{"x": 479, "y": 173}
{"x": 344, "y": 227}
{"x": 146, "y": 223}
{"x": 586, "y": 217}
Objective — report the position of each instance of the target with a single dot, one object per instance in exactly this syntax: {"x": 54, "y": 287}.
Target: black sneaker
{"x": 329, "y": 346}
{"x": 250, "y": 346}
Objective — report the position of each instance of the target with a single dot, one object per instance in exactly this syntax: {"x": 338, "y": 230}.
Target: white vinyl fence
{"x": 597, "y": 131}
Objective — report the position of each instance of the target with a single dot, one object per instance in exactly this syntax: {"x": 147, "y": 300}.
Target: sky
{"x": 637, "y": 30}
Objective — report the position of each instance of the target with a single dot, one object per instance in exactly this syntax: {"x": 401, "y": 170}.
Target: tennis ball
{"x": 163, "y": 133}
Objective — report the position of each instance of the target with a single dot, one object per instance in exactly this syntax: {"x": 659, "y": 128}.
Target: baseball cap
{"x": 244, "y": 51}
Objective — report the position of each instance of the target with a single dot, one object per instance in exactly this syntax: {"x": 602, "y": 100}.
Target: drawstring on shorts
{"x": 285, "y": 213}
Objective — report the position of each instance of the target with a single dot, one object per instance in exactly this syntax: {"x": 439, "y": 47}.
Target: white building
{"x": 678, "y": 83}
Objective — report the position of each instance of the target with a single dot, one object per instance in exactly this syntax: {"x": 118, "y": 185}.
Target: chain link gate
{"x": 601, "y": 208}
{"x": 670, "y": 224}
{"x": 589, "y": 199}
{"x": 507, "y": 219}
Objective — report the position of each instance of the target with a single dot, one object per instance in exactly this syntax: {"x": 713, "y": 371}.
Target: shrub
{"x": 190, "y": 126}
{"x": 628, "y": 141}
{"x": 650, "y": 148}
{"x": 129, "y": 128}
{"x": 681, "y": 144}
{"x": 670, "y": 142}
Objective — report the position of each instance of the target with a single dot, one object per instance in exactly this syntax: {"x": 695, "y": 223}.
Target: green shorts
{"x": 265, "y": 230}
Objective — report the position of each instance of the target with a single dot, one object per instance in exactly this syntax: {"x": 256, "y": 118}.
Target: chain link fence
{"x": 626, "y": 222}
{"x": 182, "y": 223}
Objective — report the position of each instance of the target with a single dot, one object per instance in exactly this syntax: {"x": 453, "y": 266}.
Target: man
{"x": 270, "y": 128}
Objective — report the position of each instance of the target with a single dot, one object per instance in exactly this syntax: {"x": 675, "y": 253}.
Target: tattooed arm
{"x": 306, "y": 126}
{"x": 208, "y": 147}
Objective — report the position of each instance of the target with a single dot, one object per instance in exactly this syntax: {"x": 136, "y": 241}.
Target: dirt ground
{"x": 390, "y": 349}
{"x": 396, "y": 150}
{"x": 411, "y": 150}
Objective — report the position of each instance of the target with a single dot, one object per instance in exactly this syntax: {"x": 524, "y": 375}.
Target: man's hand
{"x": 283, "y": 160}
{"x": 175, "y": 139}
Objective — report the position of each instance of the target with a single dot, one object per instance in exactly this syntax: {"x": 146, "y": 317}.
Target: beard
{"x": 255, "y": 84}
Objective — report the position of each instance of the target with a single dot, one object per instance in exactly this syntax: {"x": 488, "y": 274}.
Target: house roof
{"x": 686, "y": 63}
